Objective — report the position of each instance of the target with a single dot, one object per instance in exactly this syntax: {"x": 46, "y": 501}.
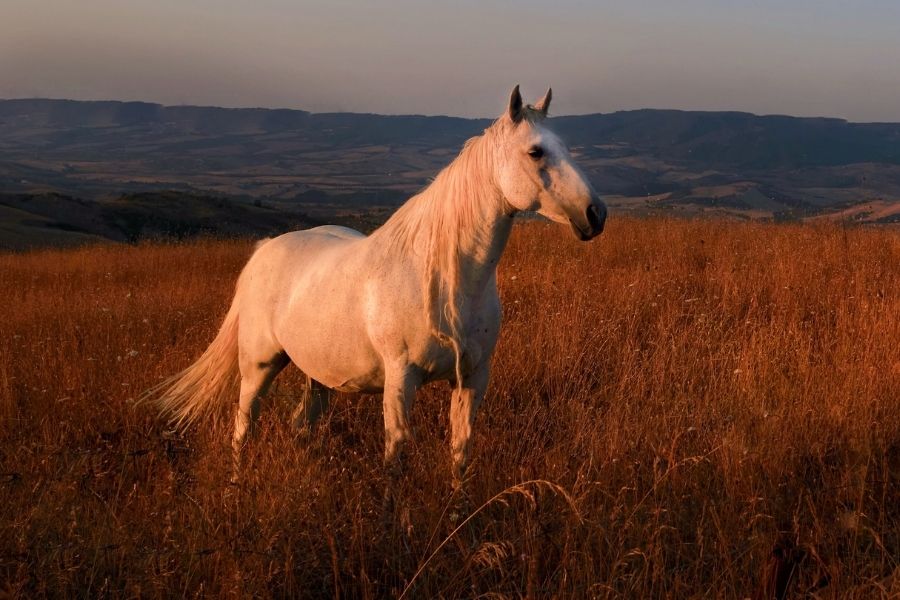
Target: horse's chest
{"x": 439, "y": 360}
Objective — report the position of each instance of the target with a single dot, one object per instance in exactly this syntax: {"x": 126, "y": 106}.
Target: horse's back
{"x": 345, "y": 233}
{"x": 302, "y": 261}
{"x": 305, "y": 236}
{"x": 295, "y": 249}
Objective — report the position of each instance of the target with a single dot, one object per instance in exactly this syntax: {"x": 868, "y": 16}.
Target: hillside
{"x": 647, "y": 161}
{"x": 31, "y": 221}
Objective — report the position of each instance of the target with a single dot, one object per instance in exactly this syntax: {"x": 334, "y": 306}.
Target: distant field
{"x": 706, "y": 393}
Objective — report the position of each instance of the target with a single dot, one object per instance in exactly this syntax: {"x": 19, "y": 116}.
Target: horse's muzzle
{"x": 590, "y": 225}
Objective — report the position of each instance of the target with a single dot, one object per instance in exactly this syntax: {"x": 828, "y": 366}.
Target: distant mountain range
{"x": 644, "y": 161}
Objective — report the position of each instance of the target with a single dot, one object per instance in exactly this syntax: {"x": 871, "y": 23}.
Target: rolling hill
{"x": 50, "y": 219}
{"x": 326, "y": 164}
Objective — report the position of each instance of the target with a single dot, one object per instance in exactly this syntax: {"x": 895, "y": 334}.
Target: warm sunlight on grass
{"x": 701, "y": 392}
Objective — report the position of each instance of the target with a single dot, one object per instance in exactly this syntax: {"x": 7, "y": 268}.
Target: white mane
{"x": 439, "y": 222}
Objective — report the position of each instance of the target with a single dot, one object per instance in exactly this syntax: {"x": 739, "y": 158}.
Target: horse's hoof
{"x": 460, "y": 505}
{"x": 406, "y": 524}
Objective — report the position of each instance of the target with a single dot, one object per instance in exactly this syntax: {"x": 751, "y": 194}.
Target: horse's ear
{"x": 544, "y": 104}
{"x": 515, "y": 105}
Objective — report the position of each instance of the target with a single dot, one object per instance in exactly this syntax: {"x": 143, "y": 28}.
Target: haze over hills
{"x": 644, "y": 160}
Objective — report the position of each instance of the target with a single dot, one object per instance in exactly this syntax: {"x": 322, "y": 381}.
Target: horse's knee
{"x": 463, "y": 406}
{"x": 459, "y": 456}
{"x": 243, "y": 425}
{"x": 399, "y": 393}
{"x": 247, "y": 412}
{"x": 395, "y": 440}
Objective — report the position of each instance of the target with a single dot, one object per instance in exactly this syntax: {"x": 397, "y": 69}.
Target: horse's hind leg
{"x": 256, "y": 377}
{"x": 313, "y": 403}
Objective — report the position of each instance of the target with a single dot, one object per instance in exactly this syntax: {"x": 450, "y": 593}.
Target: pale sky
{"x": 461, "y": 57}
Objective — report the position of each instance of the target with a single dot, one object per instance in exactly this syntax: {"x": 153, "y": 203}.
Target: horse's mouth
{"x": 579, "y": 232}
{"x": 585, "y": 234}
{"x": 595, "y": 217}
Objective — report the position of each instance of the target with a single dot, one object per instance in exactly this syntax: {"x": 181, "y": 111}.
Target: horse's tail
{"x": 194, "y": 392}
{"x": 186, "y": 396}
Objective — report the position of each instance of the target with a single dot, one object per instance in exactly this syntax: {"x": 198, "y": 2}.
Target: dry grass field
{"x": 718, "y": 404}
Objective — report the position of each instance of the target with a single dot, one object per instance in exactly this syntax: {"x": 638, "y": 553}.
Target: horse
{"x": 413, "y": 302}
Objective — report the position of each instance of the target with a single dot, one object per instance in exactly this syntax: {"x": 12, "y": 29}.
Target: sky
{"x": 461, "y": 57}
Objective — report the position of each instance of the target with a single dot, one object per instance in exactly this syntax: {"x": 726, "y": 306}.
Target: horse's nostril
{"x": 596, "y": 215}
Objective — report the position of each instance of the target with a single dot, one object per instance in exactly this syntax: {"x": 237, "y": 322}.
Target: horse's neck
{"x": 480, "y": 253}
{"x": 482, "y": 235}
{"x": 462, "y": 215}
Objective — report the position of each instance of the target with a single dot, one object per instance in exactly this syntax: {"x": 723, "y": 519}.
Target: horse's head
{"x": 535, "y": 171}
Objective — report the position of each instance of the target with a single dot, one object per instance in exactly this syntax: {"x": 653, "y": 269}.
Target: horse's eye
{"x": 536, "y": 152}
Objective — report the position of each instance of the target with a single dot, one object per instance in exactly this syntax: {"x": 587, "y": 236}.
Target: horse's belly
{"x": 319, "y": 321}
{"x": 364, "y": 385}
{"x": 342, "y": 360}
{"x": 328, "y": 342}
{"x": 340, "y": 372}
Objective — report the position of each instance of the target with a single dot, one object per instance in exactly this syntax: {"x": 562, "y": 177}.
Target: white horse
{"x": 414, "y": 302}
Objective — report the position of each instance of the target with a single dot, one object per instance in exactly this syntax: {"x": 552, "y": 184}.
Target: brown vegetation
{"x": 719, "y": 402}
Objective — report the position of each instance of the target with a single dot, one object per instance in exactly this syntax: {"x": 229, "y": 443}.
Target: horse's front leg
{"x": 463, "y": 406}
{"x": 399, "y": 393}
{"x": 400, "y": 383}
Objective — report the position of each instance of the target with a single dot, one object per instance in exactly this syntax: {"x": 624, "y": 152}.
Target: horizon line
{"x": 345, "y": 112}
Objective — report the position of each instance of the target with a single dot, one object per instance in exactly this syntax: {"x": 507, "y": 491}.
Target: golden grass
{"x": 701, "y": 391}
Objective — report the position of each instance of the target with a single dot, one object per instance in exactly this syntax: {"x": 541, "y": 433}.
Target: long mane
{"x": 441, "y": 220}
